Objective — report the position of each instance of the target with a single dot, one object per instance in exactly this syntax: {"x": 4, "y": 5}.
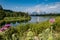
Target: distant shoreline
{"x": 45, "y": 15}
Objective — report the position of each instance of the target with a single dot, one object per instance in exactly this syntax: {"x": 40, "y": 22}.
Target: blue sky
{"x": 31, "y": 5}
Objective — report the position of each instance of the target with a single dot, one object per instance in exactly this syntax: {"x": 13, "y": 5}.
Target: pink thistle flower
{"x": 52, "y": 20}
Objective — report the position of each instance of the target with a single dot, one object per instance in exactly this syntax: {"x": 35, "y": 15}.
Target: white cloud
{"x": 54, "y": 7}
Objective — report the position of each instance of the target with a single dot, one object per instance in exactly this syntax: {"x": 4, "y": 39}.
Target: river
{"x": 39, "y": 18}
{"x": 34, "y": 19}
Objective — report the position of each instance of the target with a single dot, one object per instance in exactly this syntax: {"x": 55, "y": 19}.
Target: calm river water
{"x": 39, "y": 18}
{"x": 34, "y": 19}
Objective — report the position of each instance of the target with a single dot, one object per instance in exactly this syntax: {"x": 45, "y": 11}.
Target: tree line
{"x": 10, "y": 13}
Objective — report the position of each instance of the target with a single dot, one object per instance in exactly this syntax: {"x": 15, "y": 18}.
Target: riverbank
{"x": 7, "y": 20}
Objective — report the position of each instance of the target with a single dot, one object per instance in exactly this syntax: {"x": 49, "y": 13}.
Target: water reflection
{"x": 33, "y": 20}
{"x": 38, "y": 18}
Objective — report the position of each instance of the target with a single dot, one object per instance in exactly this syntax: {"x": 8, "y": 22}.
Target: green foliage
{"x": 22, "y": 31}
{"x": 2, "y": 14}
{"x": 30, "y": 35}
{"x": 1, "y": 36}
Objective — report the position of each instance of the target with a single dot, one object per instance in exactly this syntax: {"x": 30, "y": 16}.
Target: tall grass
{"x": 28, "y": 31}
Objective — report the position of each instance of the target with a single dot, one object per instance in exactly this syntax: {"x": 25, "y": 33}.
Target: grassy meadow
{"x": 29, "y": 30}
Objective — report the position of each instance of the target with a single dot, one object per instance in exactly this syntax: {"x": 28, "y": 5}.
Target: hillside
{"x": 8, "y": 16}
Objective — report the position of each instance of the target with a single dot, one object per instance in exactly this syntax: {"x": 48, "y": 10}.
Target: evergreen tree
{"x": 1, "y": 7}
